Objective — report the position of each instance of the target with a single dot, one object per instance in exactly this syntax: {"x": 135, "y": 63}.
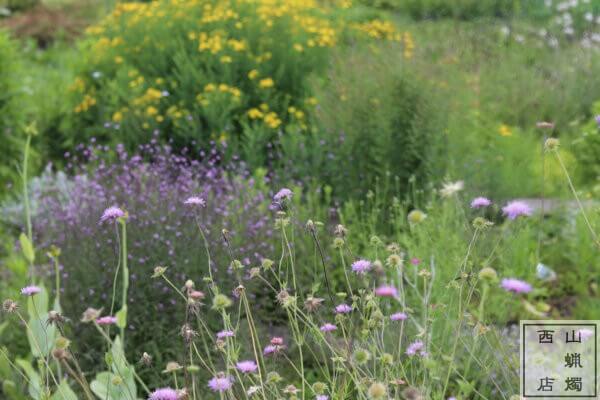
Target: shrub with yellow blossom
{"x": 205, "y": 70}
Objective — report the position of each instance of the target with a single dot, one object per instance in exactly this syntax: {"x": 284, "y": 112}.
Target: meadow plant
{"x": 234, "y": 72}
{"x": 164, "y": 198}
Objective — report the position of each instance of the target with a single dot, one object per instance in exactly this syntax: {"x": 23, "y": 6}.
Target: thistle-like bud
{"x": 273, "y": 377}
{"x": 221, "y": 302}
{"x": 311, "y": 304}
{"x": 361, "y": 356}
{"x": 488, "y": 274}
{"x": 62, "y": 342}
{"x": 551, "y": 144}
{"x": 236, "y": 265}
{"x": 55, "y": 317}
{"x": 188, "y": 333}
{"x": 159, "y": 271}
{"x": 254, "y": 272}
{"x": 377, "y": 390}
{"x": 172, "y": 366}
{"x": 319, "y": 387}
{"x": 60, "y": 354}
{"x": 481, "y": 223}
{"x": 193, "y": 369}
{"x": 266, "y": 263}
{"x": 338, "y": 243}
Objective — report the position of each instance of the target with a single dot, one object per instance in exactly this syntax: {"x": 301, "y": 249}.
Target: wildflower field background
{"x": 292, "y": 199}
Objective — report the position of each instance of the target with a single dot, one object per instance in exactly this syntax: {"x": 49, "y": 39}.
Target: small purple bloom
{"x": 283, "y": 194}
{"x": 225, "y": 334}
{"x": 195, "y": 201}
{"x": 108, "y": 320}
{"x": 163, "y": 394}
{"x": 415, "y": 261}
{"x": 328, "y": 327}
{"x": 399, "y": 316}
{"x": 30, "y": 290}
{"x": 361, "y": 266}
{"x": 322, "y": 397}
{"x": 414, "y": 347}
{"x": 220, "y": 383}
{"x": 111, "y": 214}
{"x": 515, "y": 285}
{"x": 386, "y": 291}
{"x": 480, "y": 202}
{"x": 597, "y": 118}
{"x": 246, "y": 366}
{"x": 343, "y": 309}
{"x": 516, "y": 209}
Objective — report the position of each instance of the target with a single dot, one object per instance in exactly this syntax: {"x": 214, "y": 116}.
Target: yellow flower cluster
{"x": 240, "y": 54}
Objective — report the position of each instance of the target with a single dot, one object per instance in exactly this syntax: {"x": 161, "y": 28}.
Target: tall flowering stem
{"x": 122, "y": 315}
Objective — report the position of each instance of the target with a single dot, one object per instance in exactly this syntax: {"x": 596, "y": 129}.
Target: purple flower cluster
{"x": 166, "y": 196}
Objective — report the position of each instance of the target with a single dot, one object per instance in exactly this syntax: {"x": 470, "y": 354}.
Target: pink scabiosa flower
{"x": 343, "y": 308}
{"x": 163, "y": 394}
{"x": 30, "y": 290}
{"x": 328, "y": 327}
{"x": 480, "y": 202}
{"x": 270, "y": 349}
{"x": 414, "y": 347}
{"x": 108, "y": 320}
{"x": 246, "y": 366}
{"x": 585, "y": 333}
{"x": 277, "y": 341}
{"x": 399, "y": 316}
{"x": 415, "y": 261}
{"x": 515, "y": 209}
{"x": 386, "y": 291}
{"x": 225, "y": 334}
{"x": 515, "y": 285}
{"x": 220, "y": 383}
{"x": 195, "y": 201}
{"x": 111, "y": 214}
{"x": 361, "y": 266}
{"x": 283, "y": 194}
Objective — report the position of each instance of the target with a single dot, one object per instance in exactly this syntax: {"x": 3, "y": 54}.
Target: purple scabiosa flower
{"x": 270, "y": 349}
{"x": 343, "y": 308}
{"x": 225, "y": 334}
{"x": 414, "y": 347}
{"x": 386, "y": 291}
{"x": 597, "y": 118}
{"x": 283, "y": 194}
{"x": 415, "y": 261}
{"x": 163, "y": 394}
{"x": 195, "y": 201}
{"x": 361, "y": 266}
{"x": 480, "y": 202}
{"x": 111, "y": 214}
{"x": 30, "y": 290}
{"x": 108, "y": 320}
{"x": 246, "y": 366}
{"x": 515, "y": 285}
{"x": 399, "y": 316}
{"x": 328, "y": 327}
{"x": 220, "y": 383}
{"x": 516, "y": 209}
{"x": 585, "y": 333}
{"x": 322, "y": 397}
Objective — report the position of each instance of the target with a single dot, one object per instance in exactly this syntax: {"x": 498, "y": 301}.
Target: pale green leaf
{"x": 122, "y": 317}
{"x": 35, "y": 386}
{"x": 27, "y": 248}
{"x": 64, "y": 392}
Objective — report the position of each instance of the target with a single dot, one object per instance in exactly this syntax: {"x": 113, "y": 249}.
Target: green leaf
{"x": 27, "y": 248}
{"x": 35, "y": 384}
{"x": 9, "y": 388}
{"x": 64, "y": 392}
{"x": 122, "y": 317}
{"x": 109, "y": 386}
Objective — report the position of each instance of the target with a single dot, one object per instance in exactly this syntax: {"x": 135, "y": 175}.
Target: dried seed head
{"x": 311, "y": 304}
{"x": 146, "y": 359}
{"x": 340, "y": 231}
{"x": 172, "y": 366}
{"x": 545, "y": 125}
{"x": 10, "y": 306}
{"x": 239, "y": 290}
{"x": 188, "y": 333}
{"x": 55, "y": 317}
{"x": 91, "y": 314}
{"x": 254, "y": 272}
{"x": 60, "y": 354}
{"x": 411, "y": 393}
